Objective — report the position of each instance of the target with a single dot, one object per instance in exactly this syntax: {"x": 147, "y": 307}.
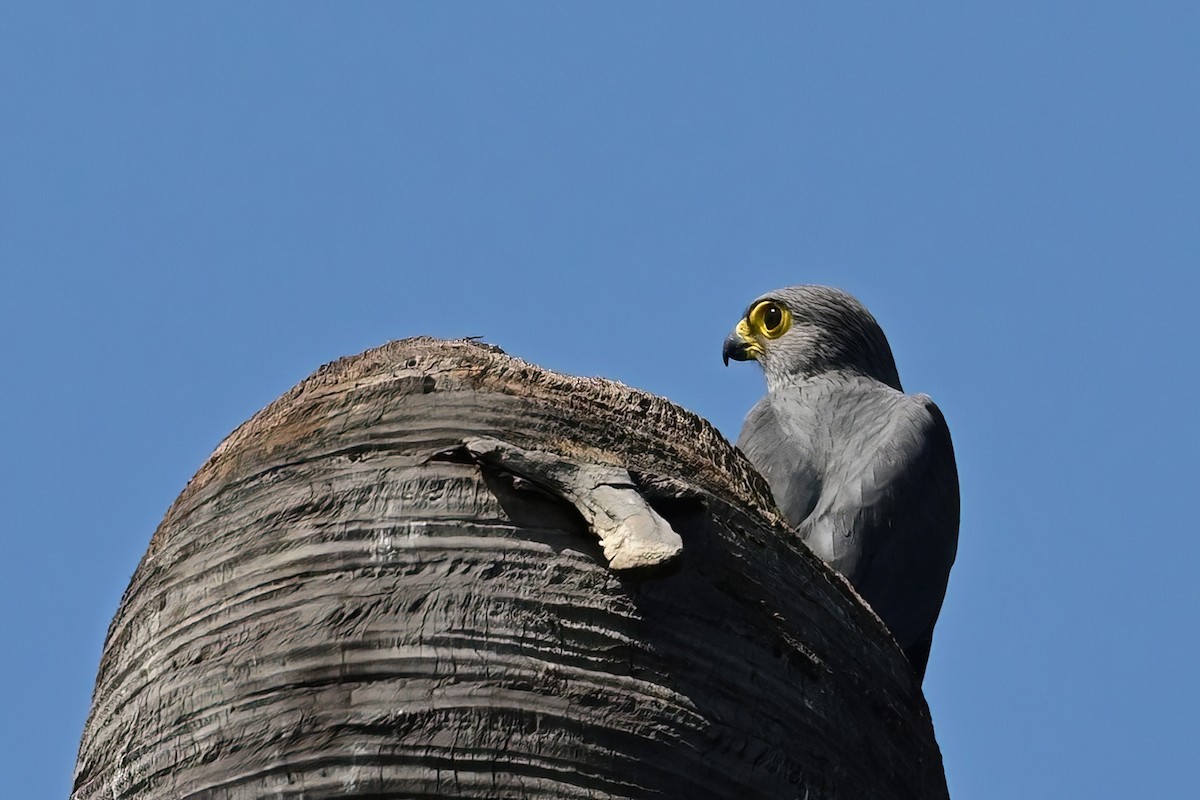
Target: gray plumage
{"x": 863, "y": 471}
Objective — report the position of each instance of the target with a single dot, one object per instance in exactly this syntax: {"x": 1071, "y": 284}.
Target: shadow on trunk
{"x": 353, "y": 598}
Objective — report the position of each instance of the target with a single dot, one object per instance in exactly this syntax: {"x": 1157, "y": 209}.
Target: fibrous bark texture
{"x": 388, "y": 584}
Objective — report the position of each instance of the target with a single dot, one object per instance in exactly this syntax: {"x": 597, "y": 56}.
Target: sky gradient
{"x": 202, "y": 203}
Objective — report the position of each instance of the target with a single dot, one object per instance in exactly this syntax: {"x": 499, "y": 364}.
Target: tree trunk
{"x": 383, "y": 585}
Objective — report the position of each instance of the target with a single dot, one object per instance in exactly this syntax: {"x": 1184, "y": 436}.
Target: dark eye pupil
{"x": 772, "y": 316}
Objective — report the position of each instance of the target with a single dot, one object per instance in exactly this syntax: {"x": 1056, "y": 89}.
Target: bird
{"x": 863, "y": 472}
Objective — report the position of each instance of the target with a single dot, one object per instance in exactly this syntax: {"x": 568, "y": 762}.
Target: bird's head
{"x": 802, "y": 331}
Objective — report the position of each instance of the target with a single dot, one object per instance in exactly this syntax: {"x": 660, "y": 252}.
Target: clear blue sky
{"x": 200, "y": 203}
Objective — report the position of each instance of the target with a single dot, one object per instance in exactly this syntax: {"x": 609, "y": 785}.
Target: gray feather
{"x": 865, "y": 473}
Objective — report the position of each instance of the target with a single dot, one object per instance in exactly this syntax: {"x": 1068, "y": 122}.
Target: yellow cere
{"x": 769, "y": 319}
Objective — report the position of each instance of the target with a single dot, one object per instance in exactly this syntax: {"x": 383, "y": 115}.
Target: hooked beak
{"x": 741, "y": 345}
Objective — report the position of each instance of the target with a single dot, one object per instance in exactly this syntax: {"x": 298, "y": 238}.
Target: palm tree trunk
{"x": 389, "y": 583}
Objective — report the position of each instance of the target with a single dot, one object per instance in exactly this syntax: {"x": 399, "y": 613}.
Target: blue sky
{"x": 202, "y": 203}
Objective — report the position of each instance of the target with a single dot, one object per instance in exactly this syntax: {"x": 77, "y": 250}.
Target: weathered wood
{"x": 350, "y": 599}
{"x": 632, "y": 534}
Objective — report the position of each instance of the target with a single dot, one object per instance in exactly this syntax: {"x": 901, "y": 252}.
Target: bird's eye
{"x": 770, "y": 319}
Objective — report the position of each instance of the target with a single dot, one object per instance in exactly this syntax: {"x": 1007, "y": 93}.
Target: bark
{"x": 395, "y": 581}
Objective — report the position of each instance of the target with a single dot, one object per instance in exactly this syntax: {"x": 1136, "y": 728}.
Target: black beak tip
{"x": 734, "y": 348}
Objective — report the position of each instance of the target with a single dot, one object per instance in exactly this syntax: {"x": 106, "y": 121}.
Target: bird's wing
{"x": 779, "y": 455}
{"x": 892, "y": 512}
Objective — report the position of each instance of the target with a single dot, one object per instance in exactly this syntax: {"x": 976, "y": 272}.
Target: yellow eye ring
{"x": 769, "y": 319}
